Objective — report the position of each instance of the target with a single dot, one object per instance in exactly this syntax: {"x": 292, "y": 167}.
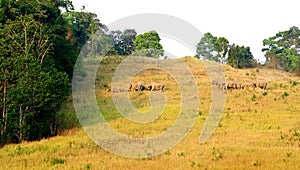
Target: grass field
{"x": 259, "y": 129}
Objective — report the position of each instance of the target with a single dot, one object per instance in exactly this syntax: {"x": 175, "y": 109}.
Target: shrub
{"x": 285, "y": 94}
{"x": 294, "y": 83}
{"x": 253, "y": 97}
{"x": 256, "y": 163}
{"x": 57, "y": 161}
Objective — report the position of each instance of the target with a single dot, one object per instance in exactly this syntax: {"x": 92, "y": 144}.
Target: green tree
{"x": 148, "y": 45}
{"x": 205, "y": 48}
{"x": 282, "y": 50}
{"x": 128, "y": 38}
{"x": 31, "y": 85}
{"x": 84, "y": 30}
{"x": 33, "y": 78}
{"x": 116, "y": 37}
{"x": 234, "y": 55}
{"x": 123, "y": 41}
{"x": 221, "y": 45}
{"x": 246, "y": 59}
{"x": 106, "y": 46}
{"x": 240, "y": 57}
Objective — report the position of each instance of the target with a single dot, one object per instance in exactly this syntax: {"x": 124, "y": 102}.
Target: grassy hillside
{"x": 260, "y": 129}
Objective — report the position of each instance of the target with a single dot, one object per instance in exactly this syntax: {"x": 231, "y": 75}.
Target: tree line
{"x": 218, "y": 49}
{"x": 282, "y": 51}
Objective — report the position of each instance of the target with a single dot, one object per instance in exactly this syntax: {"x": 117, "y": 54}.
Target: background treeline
{"x": 282, "y": 51}
{"x": 218, "y": 49}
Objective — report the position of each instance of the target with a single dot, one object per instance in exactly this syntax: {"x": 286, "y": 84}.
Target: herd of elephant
{"x": 235, "y": 85}
{"x": 139, "y": 86}
{"x": 158, "y": 86}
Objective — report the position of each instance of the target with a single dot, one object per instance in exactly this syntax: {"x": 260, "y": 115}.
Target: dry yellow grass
{"x": 259, "y": 129}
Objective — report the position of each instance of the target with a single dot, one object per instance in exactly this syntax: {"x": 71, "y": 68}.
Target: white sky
{"x": 241, "y": 22}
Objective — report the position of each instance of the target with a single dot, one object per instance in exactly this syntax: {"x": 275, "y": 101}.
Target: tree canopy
{"x": 39, "y": 47}
{"x": 123, "y": 41}
{"x": 218, "y": 49}
{"x": 147, "y": 44}
{"x": 240, "y": 57}
{"x": 206, "y": 48}
{"x": 282, "y": 50}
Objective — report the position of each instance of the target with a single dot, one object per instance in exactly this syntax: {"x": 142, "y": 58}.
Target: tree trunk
{"x": 4, "y": 111}
{"x": 21, "y": 117}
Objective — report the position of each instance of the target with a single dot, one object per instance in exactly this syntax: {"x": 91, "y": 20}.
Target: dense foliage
{"x": 205, "y": 48}
{"x": 240, "y": 57}
{"x": 218, "y": 49}
{"x": 122, "y": 42}
{"x": 282, "y": 50}
{"x": 37, "y": 57}
{"x": 148, "y": 45}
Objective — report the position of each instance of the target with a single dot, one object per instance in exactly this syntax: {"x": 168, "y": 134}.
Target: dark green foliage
{"x": 222, "y": 46}
{"x": 282, "y": 50}
{"x": 253, "y": 97}
{"x": 294, "y": 83}
{"x": 148, "y": 45}
{"x": 83, "y": 27}
{"x": 240, "y": 57}
{"x": 37, "y": 57}
{"x": 213, "y": 48}
{"x": 217, "y": 154}
{"x": 88, "y": 166}
{"x": 122, "y": 42}
{"x": 285, "y": 94}
{"x": 32, "y": 88}
{"x": 57, "y": 161}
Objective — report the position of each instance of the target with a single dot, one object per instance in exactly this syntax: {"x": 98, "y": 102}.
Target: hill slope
{"x": 259, "y": 128}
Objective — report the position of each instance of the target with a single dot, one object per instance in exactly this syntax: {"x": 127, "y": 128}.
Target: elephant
{"x": 156, "y": 86}
{"x": 262, "y": 85}
{"x": 138, "y": 86}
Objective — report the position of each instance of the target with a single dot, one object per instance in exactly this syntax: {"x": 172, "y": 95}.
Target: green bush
{"x": 57, "y": 161}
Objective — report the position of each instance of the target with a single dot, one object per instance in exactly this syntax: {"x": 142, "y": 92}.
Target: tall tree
{"x": 128, "y": 38}
{"x": 32, "y": 88}
{"x": 84, "y": 30}
{"x": 221, "y": 45}
{"x": 123, "y": 41}
{"x": 33, "y": 71}
{"x": 282, "y": 50}
{"x": 205, "y": 48}
{"x": 234, "y": 55}
{"x": 148, "y": 45}
{"x": 240, "y": 57}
